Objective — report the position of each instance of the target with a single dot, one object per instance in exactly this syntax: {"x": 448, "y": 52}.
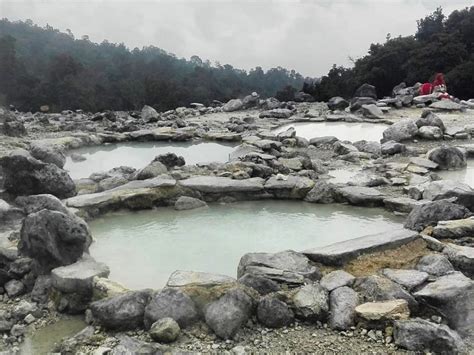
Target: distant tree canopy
{"x": 43, "y": 66}
{"x": 440, "y": 45}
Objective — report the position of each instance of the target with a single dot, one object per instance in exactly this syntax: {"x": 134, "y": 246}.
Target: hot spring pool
{"x": 143, "y": 248}
{"x": 345, "y": 131}
{"x": 463, "y": 175}
{"x": 140, "y": 154}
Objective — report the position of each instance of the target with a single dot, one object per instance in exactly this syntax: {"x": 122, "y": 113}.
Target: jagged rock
{"x": 286, "y": 267}
{"x": 14, "y": 288}
{"x": 454, "y": 229}
{"x": 430, "y": 119}
{"x": 335, "y": 279}
{"x": 149, "y": 114}
{"x": 400, "y": 131}
{"x": 273, "y": 313}
{"x": 165, "y": 330}
{"x": 152, "y": 170}
{"x": 377, "y": 288}
{"x": 421, "y": 335}
{"x": 357, "y": 102}
{"x": 181, "y": 278}
{"x": 360, "y": 196}
{"x": 461, "y": 257}
{"x": 8, "y": 213}
{"x": 294, "y": 187}
{"x": 188, "y": 203}
{"x": 342, "y": 301}
{"x": 25, "y": 175}
{"x": 173, "y": 303}
{"x": 53, "y": 239}
{"x": 372, "y": 111}
{"x": 402, "y": 204}
{"x": 366, "y": 90}
{"x": 259, "y": 283}
{"x": 48, "y": 154}
{"x": 369, "y": 147}
{"x": 341, "y": 148}
{"x": 407, "y": 278}
{"x": 452, "y": 296}
{"x": 392, "y": 148}
{"x": 170, "y": 160}
{"x": 121, "y": 312}
{"x": 233, "y": 105}
{"x": 337, "y": 103}
{"x": 41, "y": 289}
{"x": 323, "y": 141}
{"x": 384, "y": 311}
{"x": 322, "y": 192}
{"x": 229, "y": 313}
{"x": 289, "y": 133}
{"x": 435, "y": 264}
{"x": 311, "y": 302}
{"x": 430, "y": 213}
{"x": 20, "y": 267}
{"x": 36, "y": 203}
{"x": 448, "y": 158}
{"x": 13, "y": 128}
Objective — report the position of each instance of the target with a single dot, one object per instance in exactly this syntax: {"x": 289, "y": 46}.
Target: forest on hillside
{"x": 43, "y": 66}
{"x": 441, "y": 44}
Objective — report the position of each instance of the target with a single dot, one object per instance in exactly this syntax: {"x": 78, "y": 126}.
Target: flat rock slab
{"x": 78, "y": 277}
{"x": 402, "y": 204}
{"x": 446, "y": 105}
{"x": 461, "y": 257}
{"x": 407, "y": 278}
{"x": 148, "y": 183}
{"x": 181, "y": 278}
{"x": 385, "y": 310}
{"x": 343, "y": 252}
{"x": 361, "y": 196}
{"x": 214, "y": 184}
{"x": 454, "y": 229}
{"x": 423, "y": 162}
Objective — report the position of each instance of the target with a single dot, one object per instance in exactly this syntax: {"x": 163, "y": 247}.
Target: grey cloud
{"x": 306, "y": 35}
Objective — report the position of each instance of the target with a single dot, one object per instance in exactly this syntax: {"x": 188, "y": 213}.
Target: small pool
{"x": 143, "y": 248}
{"x": 463, "y": 175}
{"x": 344, "y": 131}
{"x": 140, "y": 154}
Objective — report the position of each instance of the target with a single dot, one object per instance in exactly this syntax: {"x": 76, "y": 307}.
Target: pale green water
{"x": 350, "y": 131}
{"x": 143, "y": 248}
{"x": 464, "y": 175}
{"x": 44, "y": 339}
{"x": 140, "y": 154}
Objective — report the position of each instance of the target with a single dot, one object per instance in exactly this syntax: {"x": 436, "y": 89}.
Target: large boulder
{"x": 400, "y": 131}
{"x": 428, "y": 118}
{"x": 423, "y": 336}
{"x": 407, "y": 278}
{"x": 311, "y": 302}
{"x": 152, "y": 170}
{"x": 429, "y": 214}
{"x": 342, "y": 301}
{"x": 48, "y": 154}
{"x": 53, "y": 239}
{"x": 337, "y": 103}
{"x": 259, "y": 283}
{"x": 121, "y": 312}
{"x": 273, "y": 313}
{"x": 462, "y": 257}
{"x": 336, "y": 279}
{"x": 366, "y": 90}
{"x": 286, "y": 267}
{"x": 173, "y": 303}
{"x": 360, "y": 196}
{"x": 233, "y": 105}
{"x": 448, "y": 158}
{"x": 322, "y": 192}
{"x": 435, "y": 264}
{"x": 36, "y": 203}
{"x": 229, "y": 313}
{"x": 149, "y": 114}
{"x": 452, "y": 296}
{"x": 372, "y": 111}
{"x": 25, "y": 175}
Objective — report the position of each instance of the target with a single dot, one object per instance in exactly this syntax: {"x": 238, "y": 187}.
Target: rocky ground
{"x": 408, "y": 289}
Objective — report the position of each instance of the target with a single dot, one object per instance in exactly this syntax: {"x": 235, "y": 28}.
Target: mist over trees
{"x": 441, "y": 44}
{"x": 43, "y": 66}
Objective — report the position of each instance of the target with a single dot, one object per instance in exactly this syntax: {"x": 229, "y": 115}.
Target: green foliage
{"x": 440, "y": 45}
{"x": 41, "y": 66}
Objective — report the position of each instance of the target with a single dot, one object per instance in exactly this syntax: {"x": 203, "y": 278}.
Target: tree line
{"x": 441, "y": 44}
{"x": 44, "y": 66}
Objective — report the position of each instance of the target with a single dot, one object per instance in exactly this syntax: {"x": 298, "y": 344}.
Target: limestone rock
{"x": 311, "y": 302}
{"x": 360, "y": 196}
{"x": 400, "y": 131}
{"x": 187, "y": 278}
{"x": 383, "y": 311}
{"x": 335, "y": 279}
{"x": 461, "y": 257}
{"x": 343, "y": 301}
{"x": 407, "y": 278}
{"x": 454, "y": 229}
{"x": 435, "y": 264}
{"x": 165, "y": 330}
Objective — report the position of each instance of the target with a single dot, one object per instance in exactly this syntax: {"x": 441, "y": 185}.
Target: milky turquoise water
{"x": 350, "y": 131}
{"x": 463, "y": 175}
{"x": 143, "y": 248}
{"x": 140, "y": 154}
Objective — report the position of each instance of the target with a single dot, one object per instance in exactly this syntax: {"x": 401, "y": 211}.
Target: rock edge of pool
{"x": 404, "y": 289}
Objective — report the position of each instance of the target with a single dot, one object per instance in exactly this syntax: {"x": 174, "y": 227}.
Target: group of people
{"x": 438, "y": 86}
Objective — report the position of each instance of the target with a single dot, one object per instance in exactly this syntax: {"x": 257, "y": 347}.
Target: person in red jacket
{"x": 439, "y": 85}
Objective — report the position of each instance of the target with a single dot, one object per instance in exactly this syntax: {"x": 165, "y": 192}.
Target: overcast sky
{"x": 308, "y": 36}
